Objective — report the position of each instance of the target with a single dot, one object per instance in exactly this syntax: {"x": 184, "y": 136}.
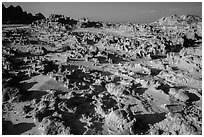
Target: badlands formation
{"x": 62, "y": 76}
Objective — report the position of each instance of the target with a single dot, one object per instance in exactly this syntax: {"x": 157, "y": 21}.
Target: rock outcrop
{"x": 15, "y": 15}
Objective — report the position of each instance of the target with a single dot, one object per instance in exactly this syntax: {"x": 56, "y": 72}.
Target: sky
{"x": 137, "y": 12}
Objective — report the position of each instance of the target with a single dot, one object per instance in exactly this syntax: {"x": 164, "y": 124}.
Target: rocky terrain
{"x": 65, "y": 76}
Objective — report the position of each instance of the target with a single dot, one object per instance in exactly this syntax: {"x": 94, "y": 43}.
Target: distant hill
{"x": 178, "y": 20}
{"x": 15, "y": 15}
{"x": 68, "y": 22}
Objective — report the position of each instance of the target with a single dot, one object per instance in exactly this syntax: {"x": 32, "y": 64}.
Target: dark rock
{"x": 15, "y": 15}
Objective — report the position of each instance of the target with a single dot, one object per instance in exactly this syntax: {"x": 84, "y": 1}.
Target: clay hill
{"x": 15, "y": 15}
{"x": 178, "y": 20}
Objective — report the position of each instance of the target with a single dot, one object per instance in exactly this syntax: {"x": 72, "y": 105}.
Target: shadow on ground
{"x": 144, "y": 120}
{"x": 8, "y": 128}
